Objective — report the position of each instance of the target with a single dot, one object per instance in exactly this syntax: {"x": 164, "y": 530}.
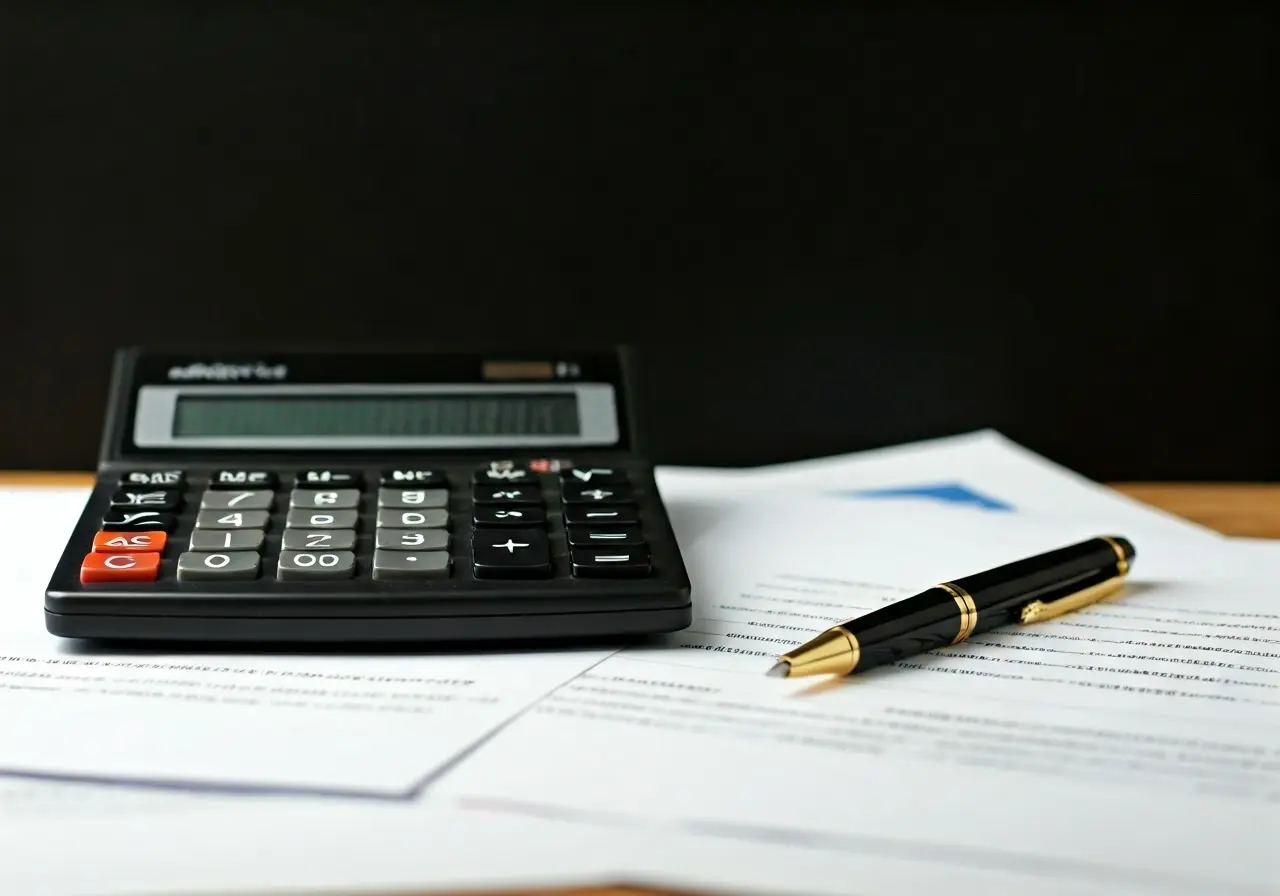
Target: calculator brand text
{"x": 219, "y": 372}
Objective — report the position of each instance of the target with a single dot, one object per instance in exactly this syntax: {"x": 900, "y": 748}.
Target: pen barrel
{"x": 955, "y": 611}
{"x": 999, "y": 594}
{"x": 908, "y": 627}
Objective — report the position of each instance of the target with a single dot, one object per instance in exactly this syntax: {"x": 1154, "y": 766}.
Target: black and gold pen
{"x": 1023, "y": 591}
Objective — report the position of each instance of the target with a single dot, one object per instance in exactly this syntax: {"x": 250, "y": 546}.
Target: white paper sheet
{"x": 337, "y": 848}
{"x": 1106, "y": 742}
{"x": 373, "y": 725}
{"x": 982, "y": 470}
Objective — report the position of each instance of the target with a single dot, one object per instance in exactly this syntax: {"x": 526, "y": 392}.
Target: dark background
{"x": 827, "y": 228}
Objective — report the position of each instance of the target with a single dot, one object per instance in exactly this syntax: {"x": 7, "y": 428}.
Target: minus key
{"x": 595, "y": 515}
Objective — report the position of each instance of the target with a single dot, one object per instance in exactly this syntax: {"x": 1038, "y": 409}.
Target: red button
{"x": 134, "y": 567}
{"x": 128, "y": 542}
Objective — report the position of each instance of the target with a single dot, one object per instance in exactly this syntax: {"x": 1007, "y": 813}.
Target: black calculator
{"x": 373, "y": 496}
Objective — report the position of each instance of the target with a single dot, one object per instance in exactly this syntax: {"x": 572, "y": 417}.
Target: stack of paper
{"x": 1133, "y": 747}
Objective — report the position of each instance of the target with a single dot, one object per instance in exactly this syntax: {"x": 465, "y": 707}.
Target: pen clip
{"x": 1039, "y": 610}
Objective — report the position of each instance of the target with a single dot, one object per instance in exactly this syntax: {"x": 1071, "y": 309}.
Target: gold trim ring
{"x": 968, "y": 611}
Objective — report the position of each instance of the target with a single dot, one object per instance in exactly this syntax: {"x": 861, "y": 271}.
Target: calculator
{"x": 344, "y": 497}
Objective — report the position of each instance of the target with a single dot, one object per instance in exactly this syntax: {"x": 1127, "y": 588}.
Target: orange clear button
{"x": 128, "y": 542}
{"x": 135, "y": 567}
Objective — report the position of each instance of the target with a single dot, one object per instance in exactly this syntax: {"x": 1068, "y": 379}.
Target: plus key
{"x": 597, "y": 494}
{"x": 510, "y": 554}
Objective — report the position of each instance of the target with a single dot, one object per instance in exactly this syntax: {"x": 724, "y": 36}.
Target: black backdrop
{"x": 826, "y": 228}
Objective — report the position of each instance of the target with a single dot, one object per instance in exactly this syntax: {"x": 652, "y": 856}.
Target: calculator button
{"x": 227, "y": 539}
{"x": 511, "y": 553}
{"x": 327, "y": 479}
{"x": 413, "y": 497}
{"x": 134, "y": 567}
{"x": 507, "y": 494}
{"x": 595, "y": 515}
{"x": 491, "y": 515}
{"x": 596, "y": 494}
{"x": 406, "y": 478}
{"x": 322, "y": 519}
{"x": 237, "y": 500}
{"x": 318, "y": 540}
{"x": 412, "y": 540}
{"x": 122, "y": 520}
{"x": 231, "y": 519}
{"x": 337, "y": 499}
{"x": 603, "y": 536}
{"x": 154, "y": 478}
{"x": 614, "y": 562}
{"x": 389, "y": 518}
{"x": 148, "y": 499}
{"x": 310, "y": 565}
{"x": 196, "y": 566}
{"x": 593, "y": 476}
{"x": 128, "y": 542}
{"x": 503, "y": 475}
{"x": 410, "y": 564}
{"x": 244, "y": 479}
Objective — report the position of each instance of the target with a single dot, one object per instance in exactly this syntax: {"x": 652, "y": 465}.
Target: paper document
{"x": 981, "y": 470}
{"x": 368, "y": 725}
{"x": 1089, "y": 751}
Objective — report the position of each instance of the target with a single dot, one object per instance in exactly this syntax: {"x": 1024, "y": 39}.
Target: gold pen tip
{"x": 781, "y": 669}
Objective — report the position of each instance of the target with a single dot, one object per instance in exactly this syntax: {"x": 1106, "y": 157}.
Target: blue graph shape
{"x": 948, "y": 492}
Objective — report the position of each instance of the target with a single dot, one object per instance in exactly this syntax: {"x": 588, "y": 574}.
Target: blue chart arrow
{"x": 948, "y": 492}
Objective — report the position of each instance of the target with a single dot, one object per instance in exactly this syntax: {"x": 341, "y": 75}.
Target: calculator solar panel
{"x": 382, "y": 497}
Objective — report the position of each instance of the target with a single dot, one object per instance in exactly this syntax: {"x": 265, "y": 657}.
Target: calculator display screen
{"x": 392, "y": 416}
{"x": 531, "y": 414}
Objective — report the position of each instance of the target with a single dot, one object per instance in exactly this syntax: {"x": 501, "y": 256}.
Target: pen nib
{"x": 780, "y": 670}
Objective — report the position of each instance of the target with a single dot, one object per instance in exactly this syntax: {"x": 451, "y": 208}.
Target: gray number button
{"x": 199, "y": 567}
{"x": 318, "y": 540}
{"x": 412, "y": 519}
{"x": 299, "y": 565}
{"x": 227, "y": 539}
{"x": 246, "y": 500}
{"x": 231, "y": 519}
{"x": 410, "y": 565}
{"x": 413, "y": 497}
{"x": 334, "y": 499}
{"x": 412, "y": 539}
{"x": 321, "y": 519}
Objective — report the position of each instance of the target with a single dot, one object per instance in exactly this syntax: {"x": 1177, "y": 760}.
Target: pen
{"x": 1020, "y": 592}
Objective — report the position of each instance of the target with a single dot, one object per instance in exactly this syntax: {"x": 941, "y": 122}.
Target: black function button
{"x": 597, "y": 494}
{"x": 529, "y": 493}
{"x": 327, "y": 479}
{"x": 615, "y": 562}
{"x": 421, "y": 478}
{"x": 593, "y": 476}
{"x": 511, "y": 554}
{"x": 153, "y": 478}
{"x": 496, "y": 515}
{"x": 125, "y": 519}
{"x": 244, "y": 479}
{"x": 599, "y": 515}
{"x": 604, "y": 536}
{"x": 147, "y": 498}
{"x": 503, "y": 476}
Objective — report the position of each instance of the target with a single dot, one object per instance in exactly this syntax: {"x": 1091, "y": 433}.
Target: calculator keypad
{"x": 503, "y": 520}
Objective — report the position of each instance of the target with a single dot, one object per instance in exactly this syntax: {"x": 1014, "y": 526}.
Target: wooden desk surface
{"x": 1232, "y": 509}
